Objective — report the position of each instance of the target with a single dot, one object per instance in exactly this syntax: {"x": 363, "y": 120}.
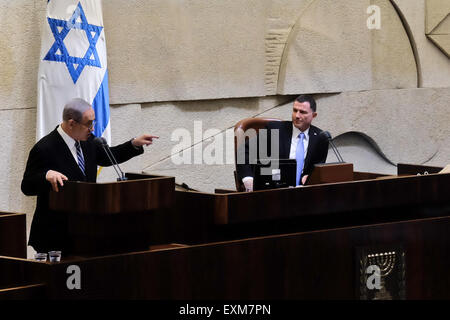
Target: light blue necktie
{"x": 80, "y": 156}
{"x": 300, "y": 157}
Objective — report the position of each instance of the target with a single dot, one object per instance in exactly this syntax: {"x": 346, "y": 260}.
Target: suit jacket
{"x": 317, "y": 148}
{"x": 49, "y": 229}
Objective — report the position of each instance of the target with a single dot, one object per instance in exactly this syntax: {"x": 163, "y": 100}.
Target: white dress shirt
{"x": 70, "y": 143}
{"x": 294, "y": 142}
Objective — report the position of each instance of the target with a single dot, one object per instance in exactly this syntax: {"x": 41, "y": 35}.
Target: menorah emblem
{"x": 381, "y": 273}
{"x": 385, "y": 263}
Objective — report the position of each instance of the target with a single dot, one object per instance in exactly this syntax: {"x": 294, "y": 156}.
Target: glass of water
{"x": 40, "y": 257}
{"x": 54, "y": 256}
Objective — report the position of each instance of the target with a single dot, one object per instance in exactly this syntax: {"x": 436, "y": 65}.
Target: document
{"x": 446, "y": 169}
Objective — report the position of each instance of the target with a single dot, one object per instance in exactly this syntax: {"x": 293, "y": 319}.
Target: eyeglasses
{"x": 90, "y": 125}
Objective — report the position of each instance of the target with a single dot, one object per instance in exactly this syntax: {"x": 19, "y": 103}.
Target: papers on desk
{"x": 446, "y": 169}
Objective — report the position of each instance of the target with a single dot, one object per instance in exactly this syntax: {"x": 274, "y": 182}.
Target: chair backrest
{"x": 241, "y": 133}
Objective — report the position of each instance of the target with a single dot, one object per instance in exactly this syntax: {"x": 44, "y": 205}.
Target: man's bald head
{"x": 74, "y": 109}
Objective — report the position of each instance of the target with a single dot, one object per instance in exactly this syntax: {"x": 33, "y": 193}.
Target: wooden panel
{"x": 334, "y": 198}
{"x": 16, "y": 272}
{"x": 330, "y": 173}
{"x": 121, "y": 232}
{"x": 295, "y": 243}
{"x": 22, "y": 279}
{"x": 28, "y": 292}
{"x": 202, "y": 217}
{"x": 413, "y": 169}
{"x": 108, "y": 218}
{"x": 311, "y": 265}
{"x": 114, "y": 197}
{"x": 367, "y": 175}
{"x": 13, "y": 235}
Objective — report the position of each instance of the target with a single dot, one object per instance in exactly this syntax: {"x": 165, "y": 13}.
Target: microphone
{"x": 102, "y": 141}
{"x": 327, "y": 135}
{"x": 185, "y": 187}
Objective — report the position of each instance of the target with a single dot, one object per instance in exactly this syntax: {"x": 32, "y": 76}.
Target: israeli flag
{"x": 73, "y": 64}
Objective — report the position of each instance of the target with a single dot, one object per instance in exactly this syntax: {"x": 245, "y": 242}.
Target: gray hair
{"x": 74, "y": 109}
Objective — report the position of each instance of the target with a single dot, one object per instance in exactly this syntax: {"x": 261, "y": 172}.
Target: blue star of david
{"x": 58, "y": 52}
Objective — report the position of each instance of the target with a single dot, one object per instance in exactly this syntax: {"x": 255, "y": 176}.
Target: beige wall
{"x": 173, "y": 63}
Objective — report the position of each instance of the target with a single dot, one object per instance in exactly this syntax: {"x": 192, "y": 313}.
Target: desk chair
{"x": 240, "y": 136}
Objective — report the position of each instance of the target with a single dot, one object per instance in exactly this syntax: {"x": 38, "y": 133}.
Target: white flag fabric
{"x": 73, "y": 64}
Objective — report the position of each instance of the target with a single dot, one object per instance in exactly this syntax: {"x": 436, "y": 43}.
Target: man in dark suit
{"x": 298, "y": 139}
{"x": 67, "y": 153}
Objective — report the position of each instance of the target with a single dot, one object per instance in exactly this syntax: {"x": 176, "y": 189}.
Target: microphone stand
{"x": 333, "y": 146}
{"x": 112, "y": 159}
{"x": 336, "y": 151}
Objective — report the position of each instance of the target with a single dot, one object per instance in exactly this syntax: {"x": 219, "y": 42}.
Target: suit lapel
{"x": 313, "y": 136}
{"x": 67, "y": 159}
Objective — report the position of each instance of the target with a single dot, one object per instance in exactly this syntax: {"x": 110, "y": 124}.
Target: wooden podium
{"x": 331, "y": 173}
{"x": 107, "y": 218}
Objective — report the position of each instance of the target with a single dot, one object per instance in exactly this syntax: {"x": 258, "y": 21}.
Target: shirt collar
{"x": 67, "y": 139}
{"x": 296, "y": 131}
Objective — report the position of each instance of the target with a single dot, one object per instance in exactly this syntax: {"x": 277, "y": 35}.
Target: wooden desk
{"x": 13, "y": 236}
{"x": 204, "y": 217}
{"x": 308, "y": 265}
{"x": 298, "y": 243}
{"x": 414, "y": 169}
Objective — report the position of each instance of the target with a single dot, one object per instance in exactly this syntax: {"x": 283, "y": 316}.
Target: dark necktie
{"x": 80, "y": 156}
